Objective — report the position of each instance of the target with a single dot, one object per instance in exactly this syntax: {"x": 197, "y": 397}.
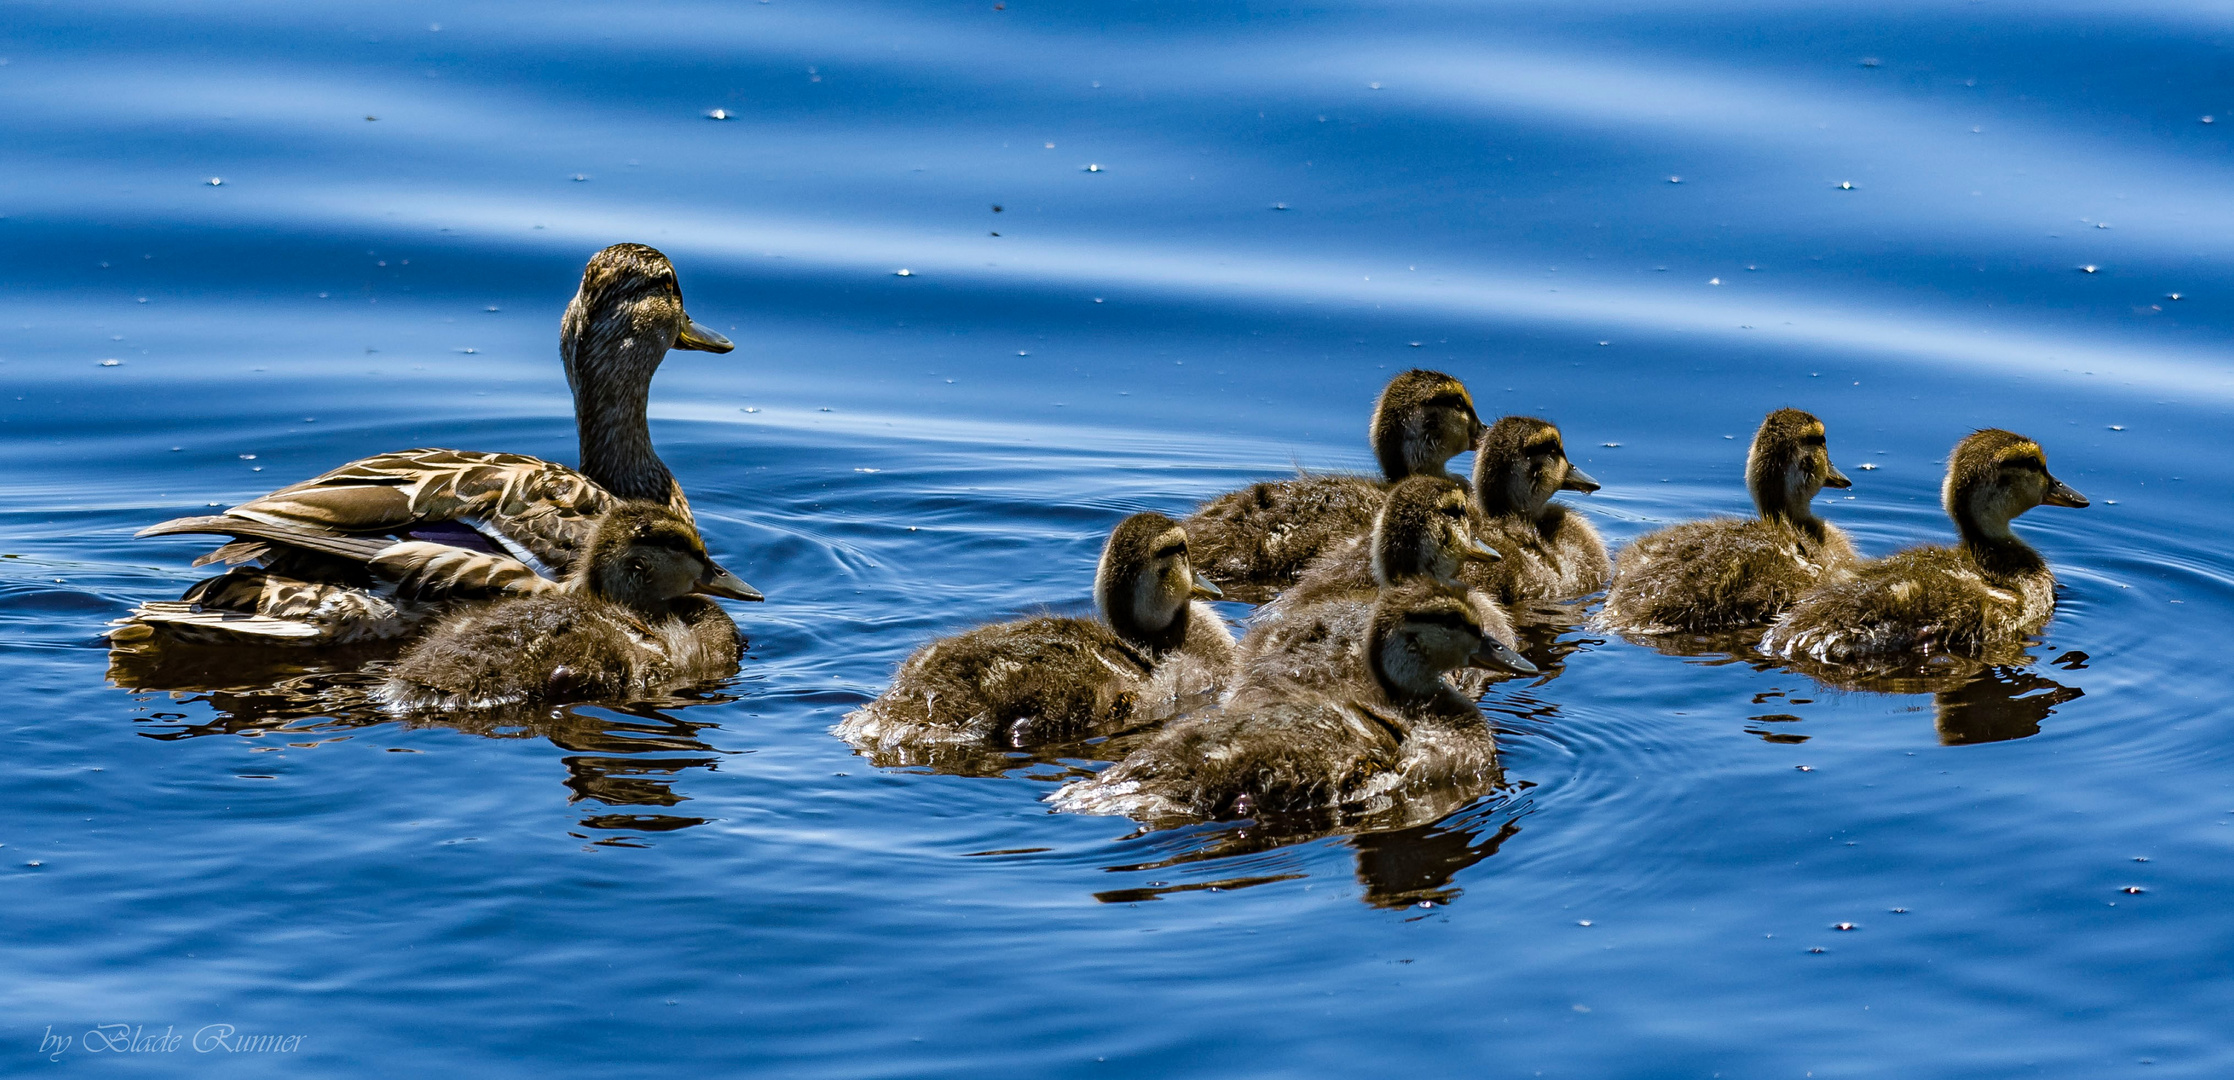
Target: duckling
{"x": 623, "y": 320}
{"x": 1051, "y": 677}
{"x": 1311, "y": 632}
{"x": 624, "y": 626}
{"x": 1550, "y": 553}
{"x": 1264, "y": 534}
{"x": 1984, "y": 595}
{"x": 1725, "y": 573}
{"x": 1284, "y": 748}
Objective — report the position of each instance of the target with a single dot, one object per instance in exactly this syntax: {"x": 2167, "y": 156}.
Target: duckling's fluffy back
{"x": 1555, "y": 556}
{"x": 1927, "y": 599}
{"x": 1720, "y": 574}
{"x": 1265, "y": 533}
{"x": 562, "y": 647}
{"x": 1263, "y": 753}
{"x": 1037, "y": 679}
{"x": 1287, "y": 749}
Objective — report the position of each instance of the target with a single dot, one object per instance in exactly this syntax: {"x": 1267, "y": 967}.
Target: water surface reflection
{"x": 1974, "y": 700}
{"x": 618, "y": 756}
{"x": 1400, "y": 867}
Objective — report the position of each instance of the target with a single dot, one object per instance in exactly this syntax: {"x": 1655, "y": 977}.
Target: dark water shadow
{"x": 618, "y": 755}
{"x": 2000, "y": 703}
{"x": 1402, "y": 866}
{"x": 1991, "y": 698}
{"x": 1974, "y": 699}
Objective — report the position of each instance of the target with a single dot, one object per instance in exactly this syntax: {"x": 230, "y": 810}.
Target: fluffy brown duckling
{"x": 1053, "y": 677}
{"x": 1310, "y": 633}
{"x": 1285, "y": 748}
{"x": 1550, "y": 552}
{"x": 1264, "y": 534}
{"x": 625, "y": 626}
{"x": 1986, "y": 594}
{"x": 1725, "y": 573}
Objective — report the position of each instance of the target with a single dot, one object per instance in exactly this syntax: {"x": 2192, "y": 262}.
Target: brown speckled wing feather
{"x": 426, "y": 572}
{"x": 544, "y": 508}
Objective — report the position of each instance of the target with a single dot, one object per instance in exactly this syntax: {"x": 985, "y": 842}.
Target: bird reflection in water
{"x": 1993, "y": 699}
{"x": 1399, "y": 868}
{"x": 618, "y": 756}
{"x": 1998, "y": 703}
{"x": 1974, "y": 700}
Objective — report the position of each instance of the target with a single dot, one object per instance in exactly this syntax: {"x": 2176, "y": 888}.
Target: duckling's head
{"x": 1424, "y": 529}
{"x": 1144, "y": 582}
{"x": 1995, "y": 475}
{"x": 1422, "y": 420}
{"x": 644, "y": 555}
{"x": 1520, "y": 464}
{"x": 1423, "y": 628}
{"x": 1788, "y": 464}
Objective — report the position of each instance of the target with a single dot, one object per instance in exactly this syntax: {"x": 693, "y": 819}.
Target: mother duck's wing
{"x": 535, "y": 511}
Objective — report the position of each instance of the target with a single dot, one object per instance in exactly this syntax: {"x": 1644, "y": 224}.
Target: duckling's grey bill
{"x": 1480, "y": 551}
{"x": 1497, "y": 656}
{"x": 1837, "y": 479}
{"x": 696, "y": 336}
{"x": 1578, "y": 480}
{"x": 721, "y": 582}
{"x": 1204, "y": 590}
{"x": 2062, "y": 494}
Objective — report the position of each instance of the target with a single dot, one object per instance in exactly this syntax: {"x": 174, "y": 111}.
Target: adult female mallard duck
{"x": 1285, "y": 748}
{"x": 1550, "y": 552}
{"x": 426, "y": 578}
{"x": 626, "y": 316}
{"x": 1311, "y": 633}
{"x": 1052, "y": 677}
{"x": 624, "y": 626}
{"x": 1264, "y": 534}
{"x": 1986, "y": 594}
{"x": 1725, "y": 573}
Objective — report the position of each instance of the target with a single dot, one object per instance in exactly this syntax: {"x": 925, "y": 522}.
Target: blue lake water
{"x": 1220, "y": 227}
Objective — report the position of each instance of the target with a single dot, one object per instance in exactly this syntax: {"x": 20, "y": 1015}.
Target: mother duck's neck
{"x": 610, "y": 370}
{"x": 616, "y": 439}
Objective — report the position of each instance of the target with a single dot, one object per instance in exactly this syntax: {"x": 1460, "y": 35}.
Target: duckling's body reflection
{"x": 1997, "y": 704}
{"x": 1991, "y": 698}
{"x": 618, "y": 756}
{"x": 1399, "y": 867}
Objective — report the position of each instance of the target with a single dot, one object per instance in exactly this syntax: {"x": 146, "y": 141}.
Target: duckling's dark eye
{"x": 1812, "y": 440}
{"x": 1171, "y": 551}
{"x": 1455, "y": 513}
